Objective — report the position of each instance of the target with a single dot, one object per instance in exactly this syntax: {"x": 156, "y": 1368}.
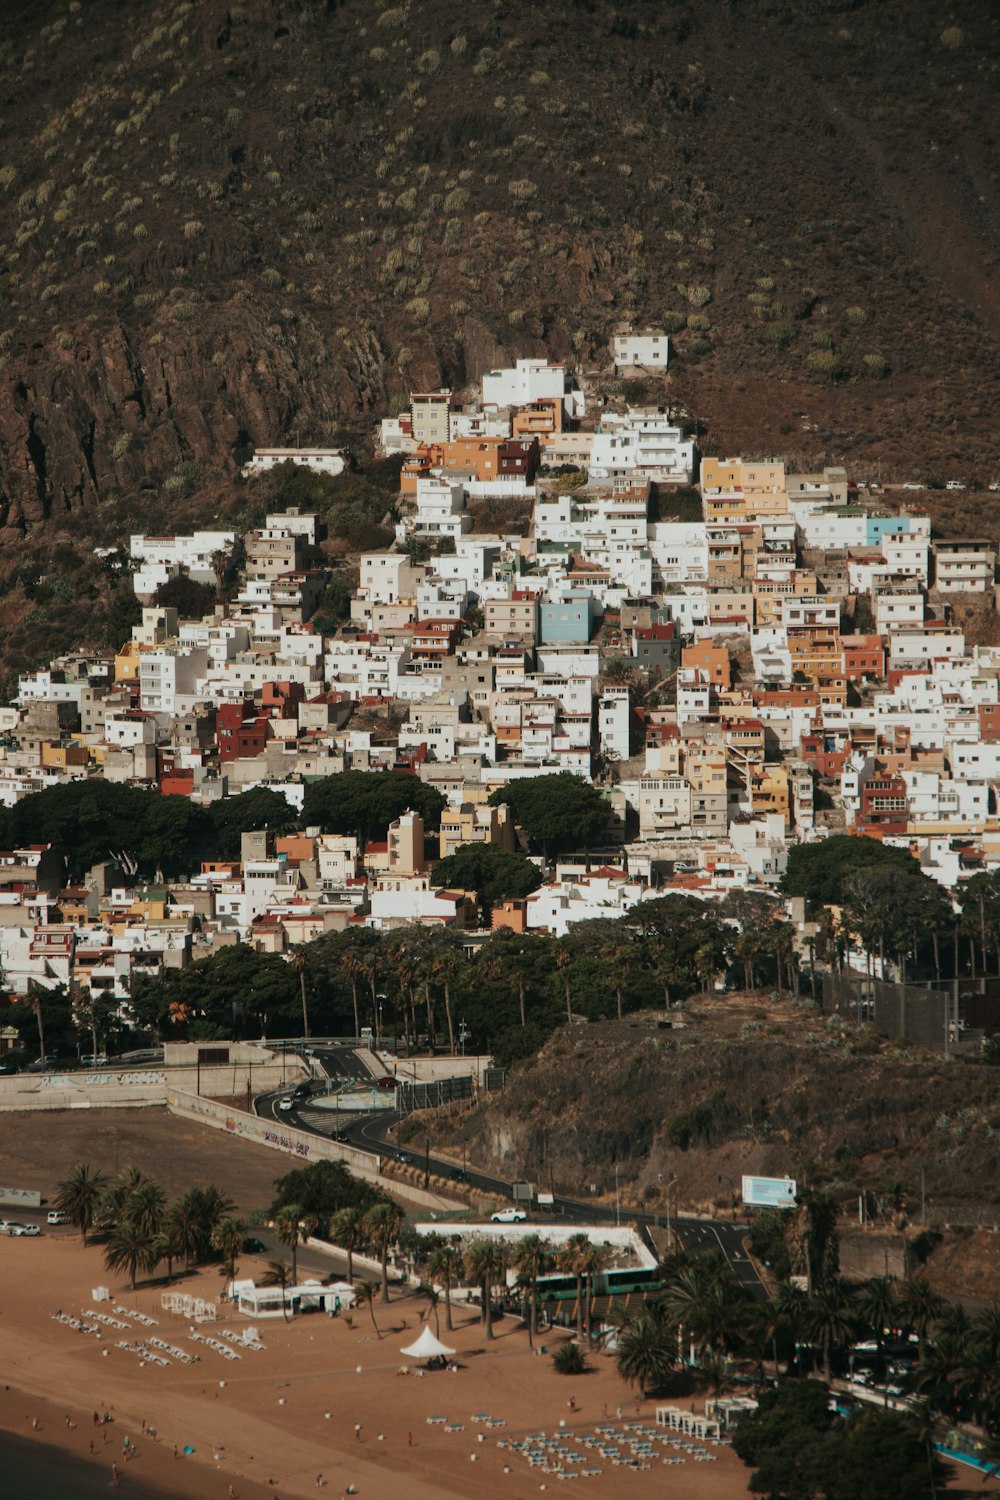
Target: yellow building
{"x": 734, "y": 490}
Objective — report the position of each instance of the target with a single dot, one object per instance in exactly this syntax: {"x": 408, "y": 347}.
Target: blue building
{"x": 568, "y": 622}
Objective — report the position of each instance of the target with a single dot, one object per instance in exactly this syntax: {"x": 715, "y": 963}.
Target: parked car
{"x": 56, "y": 1216}
{"x": 385, "y": 1083}
{"x": 954, "y": 484}
{"x": 252, "y": 1246}
{"x": 41, "y": 1063}
{"x": 22, "y": 1229}
{"x": 8, "y": 1068}
{"x": 509, "y": 1216}
{"x": 94, "y": 1060}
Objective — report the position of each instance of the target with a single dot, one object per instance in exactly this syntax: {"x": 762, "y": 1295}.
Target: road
{"x": 370, "y": 1133}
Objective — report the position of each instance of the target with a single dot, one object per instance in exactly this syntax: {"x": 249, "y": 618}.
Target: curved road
{"x": 370, "y": 1133}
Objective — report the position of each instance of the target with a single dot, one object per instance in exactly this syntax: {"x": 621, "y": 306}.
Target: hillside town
{"x": 738, "y": 657}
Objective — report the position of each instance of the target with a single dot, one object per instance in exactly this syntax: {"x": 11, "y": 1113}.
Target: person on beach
{"x": 114, "y": 1475}
{"x": 357, "y": 1431}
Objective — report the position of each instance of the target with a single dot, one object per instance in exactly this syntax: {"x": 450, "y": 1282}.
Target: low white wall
{"x": 624, "y": 1240}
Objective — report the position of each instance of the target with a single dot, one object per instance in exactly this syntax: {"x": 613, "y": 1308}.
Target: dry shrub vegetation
{"x": 253, "y": 222}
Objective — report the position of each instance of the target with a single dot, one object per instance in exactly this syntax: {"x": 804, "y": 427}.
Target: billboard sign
{"x": 769, "y": 1192}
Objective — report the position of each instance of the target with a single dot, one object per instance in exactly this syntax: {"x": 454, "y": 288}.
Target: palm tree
{"x": 564, "y": 961}
{"x": 227, "y": 1239}
{"x": 920, "y": 1307}
{"x": 79, "y": 1196}
{"x": 364, "y": 1291}
{"x": 172, "y": 1237}
{"x": 572, "y": 1259}
{"x": 35, "y": 1000}
{"x": 354, "y": 967}
{"x": 146, "y": 1207}
{"x": 646, "y": 1349}
{"x": 289, "y": 1229}
{"x": 277, "y": 1275}
{"x": 876, "y": 1305}
{"x": 220, "y": 561}
{"x": 445, "y": 963}
{"x": 829, "y": 1320}
{"x": 382, "y": 1225}
{"x": 486, "y": 1260}
{"x": 532, "y": 1260}
{"x": 300, "y": 964}
{"x": 185, "y": 1229}
{"x": 447, "y": 1265}
{"x": 132, "y": 1248}
{"x": 348, "y": 1231}
{"x": 429, "y": 1291}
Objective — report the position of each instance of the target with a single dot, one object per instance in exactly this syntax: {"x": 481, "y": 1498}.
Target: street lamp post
{"x": 618, "y": 1205}
{"x": 670, "y": 1187}
{"x": 427, "y": 1164}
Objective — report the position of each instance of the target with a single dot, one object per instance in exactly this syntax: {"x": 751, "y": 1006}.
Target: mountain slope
{"x": 250, "y": 222}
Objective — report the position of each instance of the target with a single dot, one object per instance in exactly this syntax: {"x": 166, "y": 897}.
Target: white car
{"x": 57, "y": 1217}
{"x": 286, "y": 1105}
{"x": 20, "y": 1229}
{"x": 954, "y": 484}
{"x": 509, "y": 1216}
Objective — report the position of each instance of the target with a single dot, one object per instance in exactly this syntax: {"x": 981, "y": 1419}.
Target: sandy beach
{"x": 324, "y": 1399}
{"x": 271, "y": 1423}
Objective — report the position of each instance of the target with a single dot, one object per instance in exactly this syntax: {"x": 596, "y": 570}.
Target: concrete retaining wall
{"x": 300, "y": 1144}
{"x": 100, "y": 1090}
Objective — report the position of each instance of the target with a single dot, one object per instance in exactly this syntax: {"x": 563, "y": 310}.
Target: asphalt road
{"x": 369, "y": 1132}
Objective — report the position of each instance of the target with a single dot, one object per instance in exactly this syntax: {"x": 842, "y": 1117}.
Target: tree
{"x": 227, "y": 1239}
{"x": 557, "y": 813}
{"x": 817, "y": 871}
{"x": 829, "y": 1320}
{"x": 920, "y": 1307}
{"x": 569, "y": 1359}
{"x": 364, "y": 1292}
{"x": 79, "y": 1196}
{"x": 364, "y": 803}
{"x": 532, "y": 1260}
{"x": 646, "y": 1349}
{"x": 347, "y": 1231}
{"x": 574, "y": 1258}
{"x": 784, "y": 1441}
{"x": 321, "y": 1191}
{"x": 300, "y": 963}
{"x": 289, "y": 1229}
{"x": 494, "y": 874}
{"x": 132, "y": 1248}
{"x": 446, "y": 1263}
{"x": 486, "y": 1261}
{"x": 191, "y": 599}
{"x": 250, "y": 812}
{"x": 277, "y": 1275}
{"x": 382, "y": 1225}
{"x": 876, "y": 1306}
{"x": 801, "y": 1450}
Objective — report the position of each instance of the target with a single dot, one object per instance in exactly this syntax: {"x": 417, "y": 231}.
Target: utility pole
{"x": 618, "y": 1205}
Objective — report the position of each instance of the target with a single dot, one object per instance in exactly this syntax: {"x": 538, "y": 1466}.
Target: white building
{"x": 531, "y": 380}
{"x": 648, "y": 349}
{"x": 319, "y": 460}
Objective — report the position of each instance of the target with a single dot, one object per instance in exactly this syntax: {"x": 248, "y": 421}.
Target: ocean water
{"x": 31, "y": 1471}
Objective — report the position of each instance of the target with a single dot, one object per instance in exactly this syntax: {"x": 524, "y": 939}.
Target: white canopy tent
{"x": 427, "y": 1347}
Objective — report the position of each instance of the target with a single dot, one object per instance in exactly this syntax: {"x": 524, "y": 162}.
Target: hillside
{"x": 231, "y": 223}
{"x": 764, "y": 1088}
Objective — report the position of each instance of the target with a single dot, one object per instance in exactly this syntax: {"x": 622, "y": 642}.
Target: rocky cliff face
{"x": 256, "y": 221}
